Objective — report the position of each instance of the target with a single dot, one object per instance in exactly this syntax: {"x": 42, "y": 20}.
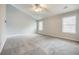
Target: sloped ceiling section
{"x": 53, "y": 9}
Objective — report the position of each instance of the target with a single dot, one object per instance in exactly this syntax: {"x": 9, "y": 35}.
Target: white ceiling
{"x": 52, "y": 9}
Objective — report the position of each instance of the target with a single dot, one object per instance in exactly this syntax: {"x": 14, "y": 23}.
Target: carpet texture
{"x": 39, "y": 45}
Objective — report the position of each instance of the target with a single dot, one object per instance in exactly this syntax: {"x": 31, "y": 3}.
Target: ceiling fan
{"x": 39, "y": 7}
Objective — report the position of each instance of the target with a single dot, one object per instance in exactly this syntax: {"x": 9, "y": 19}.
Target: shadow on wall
{"x": 19, "y": 23}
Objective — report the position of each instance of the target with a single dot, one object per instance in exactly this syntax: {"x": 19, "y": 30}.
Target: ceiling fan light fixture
{"x": 38, "y": 7}
{"x": 43, "y": 5}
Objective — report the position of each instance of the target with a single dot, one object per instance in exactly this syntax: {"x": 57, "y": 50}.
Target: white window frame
{"x": 40, "y": 25}
{"x": 67, "y": 25}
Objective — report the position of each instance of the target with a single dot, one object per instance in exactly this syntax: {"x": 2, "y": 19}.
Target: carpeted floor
{"x": 39, "y": 45}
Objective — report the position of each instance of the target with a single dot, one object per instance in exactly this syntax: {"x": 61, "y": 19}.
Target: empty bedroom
{"x": 39, "y": 29}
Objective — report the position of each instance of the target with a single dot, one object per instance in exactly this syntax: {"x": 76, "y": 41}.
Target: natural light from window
{"x": 69, "y": 24}
{"x": 40, "y": 25}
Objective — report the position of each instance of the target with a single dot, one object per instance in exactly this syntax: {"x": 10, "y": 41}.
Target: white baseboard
{"x": 59, "y": 37}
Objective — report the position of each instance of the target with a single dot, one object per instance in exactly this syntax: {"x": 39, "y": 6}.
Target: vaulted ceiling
{"x": 52, "y": 9}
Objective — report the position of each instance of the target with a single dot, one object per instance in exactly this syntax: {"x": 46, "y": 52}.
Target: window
{"x": 40, "y": 25}
{"x": 69, "y": 24}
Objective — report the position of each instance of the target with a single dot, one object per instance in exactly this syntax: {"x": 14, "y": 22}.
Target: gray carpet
{"x": 39, "y": 45}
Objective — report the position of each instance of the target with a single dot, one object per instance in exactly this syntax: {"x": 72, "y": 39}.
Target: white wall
{"x": 53, "y": 26}
{"x": 2, "y": 26}
{"x": 18, "y": 22}
{"x": 78, "y": 25}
